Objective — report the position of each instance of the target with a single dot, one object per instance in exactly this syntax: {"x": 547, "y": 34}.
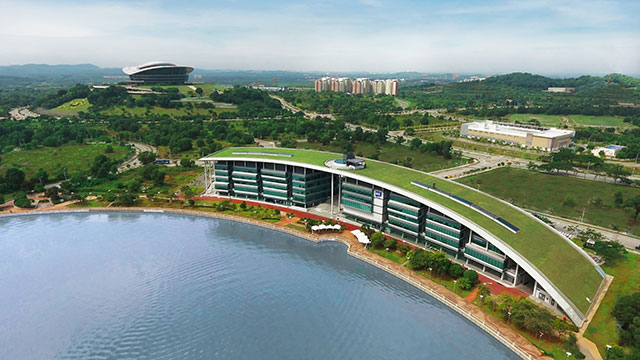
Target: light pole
{"x": 455, "y": 283}
{"x": 568, "y": 354}
{"x": 509, "y": 316}
{"x": 431, "y": 277}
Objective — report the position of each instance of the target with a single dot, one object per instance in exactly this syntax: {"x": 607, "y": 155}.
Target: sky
{"x": 454, "y": 36}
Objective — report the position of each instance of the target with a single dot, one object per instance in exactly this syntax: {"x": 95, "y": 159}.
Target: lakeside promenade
{"x": 503, "y": 333}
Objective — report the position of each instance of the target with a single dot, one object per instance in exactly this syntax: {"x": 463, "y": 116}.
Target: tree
{"x": 21, "y": 200}
{"x": 147, "y": 157}
{"x": 464, "y": 284}
{"x": 52, "y": 193}
{"x": 188, "y": 193}
{"x": 483, "y": 292}
{"x": 456, "y": 270}
{"x": 243, "y": 205}
{"x": 419, "y": 259}
{"x": 632, "y": 203}
{"x": 108, "y": 149}
{"x": 611, "y": 251}
{"x": 199, "y": 91}
{"x": 404, "y": 248}
{"x": 472, "y": 276}
{"x": 41, "y": 176}
{"x": 102, "y": 167}
{"x": 377, "y": 240}
{"x": 439, "y": 262}
{"x": 415, "y": 143}
{"x": 14, "y": 178}
{"x": 618, "y": 200}
{"x": 187, "y": 163}
{"x": 126, "y": 199}
{"x": 627, "y": 313}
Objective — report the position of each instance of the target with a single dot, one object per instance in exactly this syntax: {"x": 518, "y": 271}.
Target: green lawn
{"x": 207, "y": 89}
{"x": 53, "y": 160}
{"x": 571, "y": 120}
{"x": 157, "y": 110}
{"x": 545, "y": 193}
{"x": 391, "y": 255}
{"x": 603, "y": 328}
{"x": 72, "y": 107}
{"x": 391, "y": 153}
{"x": 543, "y": 248}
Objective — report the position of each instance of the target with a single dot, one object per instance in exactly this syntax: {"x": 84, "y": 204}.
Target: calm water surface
{"x": 157, "y": 286}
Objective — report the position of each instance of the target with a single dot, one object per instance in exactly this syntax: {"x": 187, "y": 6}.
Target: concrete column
{"x": 339, "y": 193}
{"x": 515, "y": 280}
{"x": 535, "y": 287}
{"x": 205, "y": 178}
{"x": 331, "y": 195}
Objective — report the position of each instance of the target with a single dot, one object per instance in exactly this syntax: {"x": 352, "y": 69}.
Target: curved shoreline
{"x": 436, "y": 292}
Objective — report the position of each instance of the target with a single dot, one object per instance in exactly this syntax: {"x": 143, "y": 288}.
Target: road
{"x": 285, "y": 104}
{"x": 134, "y": 162}
{"x": 482, "y": 161}
{"x": 564, "y": 225}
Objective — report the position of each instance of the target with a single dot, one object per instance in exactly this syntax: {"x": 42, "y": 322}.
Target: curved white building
{"x": 158, "y": 72}
{"x": 482, "y": 232}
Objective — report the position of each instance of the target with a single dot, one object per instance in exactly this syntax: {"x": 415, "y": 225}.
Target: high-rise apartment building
{"x": 357, "y": 86}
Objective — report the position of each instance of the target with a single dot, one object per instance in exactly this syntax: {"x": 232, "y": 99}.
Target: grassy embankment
{"x": 546, "y": 193}
{"x": 392, "y": 153}
{"x": 571, "y": 121}
{"x": 175, "y": 178}
{"x": 53, "y": 160}
{"x": 480, "y": 146}
{"x": 250, "y": 212}
{"x": 603, "y": 329}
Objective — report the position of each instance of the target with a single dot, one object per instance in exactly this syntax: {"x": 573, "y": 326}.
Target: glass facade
{"x": 484, "y": 257}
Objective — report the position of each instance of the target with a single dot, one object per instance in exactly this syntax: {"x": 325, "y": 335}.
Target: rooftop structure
{"x": 476, "y": 229}
{"x": 524, "y": 135}
{"x": 610, "y": 151}
{"x": 566, "y": 90}
{"x": 157, "y": 72}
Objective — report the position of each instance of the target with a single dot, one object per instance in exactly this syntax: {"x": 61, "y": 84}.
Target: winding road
{"x": 134, "y": 162}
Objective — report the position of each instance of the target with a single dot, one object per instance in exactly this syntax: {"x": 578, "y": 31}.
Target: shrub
{"x": 391, "y": 244}
{"x": 464, "y": 284}
{"x": 377, "y": 240}
{"x": 187, "y": 163}
{"x": 404, "y": 248}
{"x": 472, "y": 276}
{"x": 21, "y": 200}
{"x": 568, "y": 201}
{"x": 456, "y": 270}
{"x": 419, "y": 259}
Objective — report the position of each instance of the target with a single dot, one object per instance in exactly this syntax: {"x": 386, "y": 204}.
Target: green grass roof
{"x": 561, "y": 263}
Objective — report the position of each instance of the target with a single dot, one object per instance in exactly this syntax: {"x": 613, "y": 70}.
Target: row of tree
{"x": 568, "y": 160}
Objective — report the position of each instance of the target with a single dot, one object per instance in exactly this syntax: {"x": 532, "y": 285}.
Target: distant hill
{"x": 43, "y": 74}
{"x": 65, "y": 75}
{"x": 586, "y": 82}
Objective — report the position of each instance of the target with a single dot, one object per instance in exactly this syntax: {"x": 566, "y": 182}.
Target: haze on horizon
{"x": 494, "y": 36}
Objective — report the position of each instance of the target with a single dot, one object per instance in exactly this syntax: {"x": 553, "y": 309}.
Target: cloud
{"x": 537, "y": 36}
